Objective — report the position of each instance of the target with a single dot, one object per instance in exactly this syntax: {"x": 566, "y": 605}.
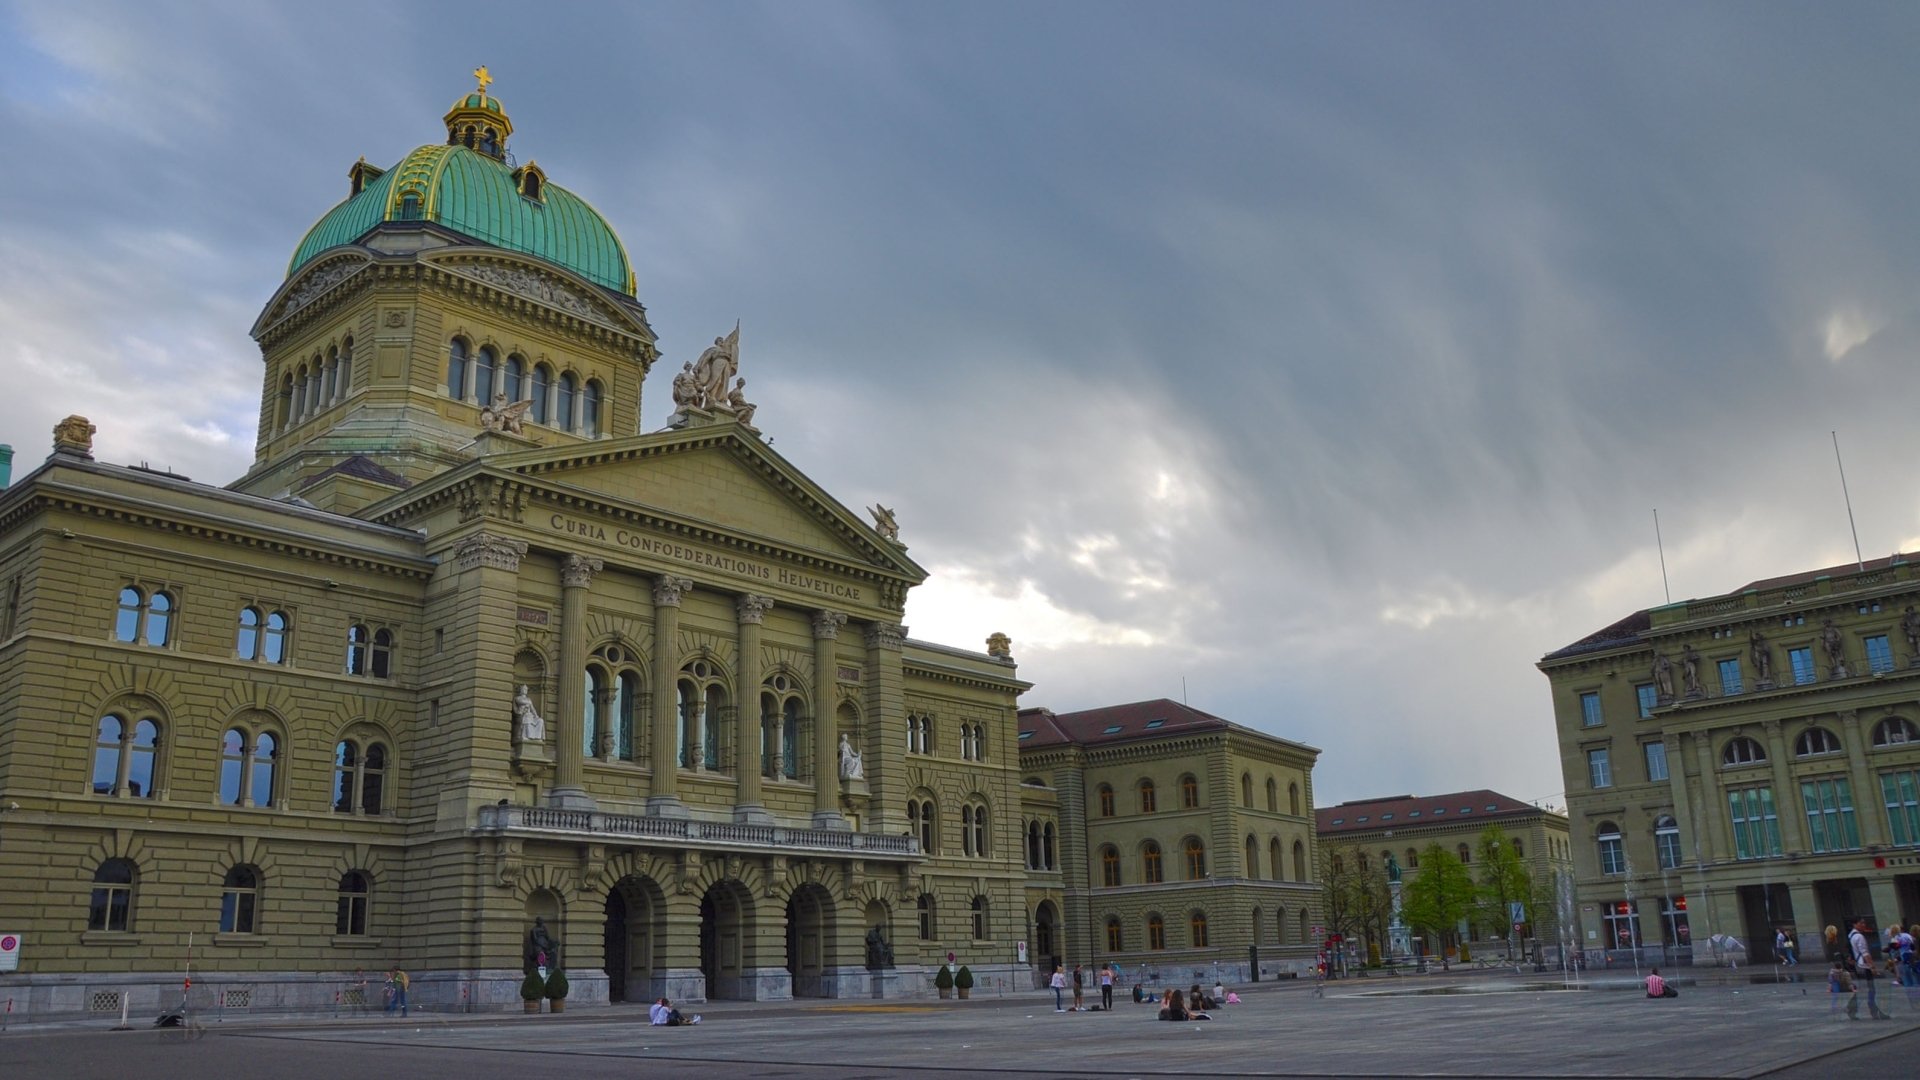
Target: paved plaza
{"x": 1481, "y": 1026}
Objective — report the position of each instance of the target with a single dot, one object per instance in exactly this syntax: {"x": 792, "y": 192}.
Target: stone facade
{"x": 1745, "y": 763}
{"x": 1186, "y": 843}
{"x": 271, "y": 728}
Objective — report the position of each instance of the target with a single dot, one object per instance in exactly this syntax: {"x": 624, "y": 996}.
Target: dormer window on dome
{"x": 478, "y": 122}
{"x": 531, "y": 181}
{"x": 361, "y": 175}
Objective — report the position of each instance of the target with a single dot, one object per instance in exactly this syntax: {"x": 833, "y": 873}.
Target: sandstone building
{"x": 284, "y": 718}
{"x": 1166, "y": 839}
{"x": 1746, "y": 762}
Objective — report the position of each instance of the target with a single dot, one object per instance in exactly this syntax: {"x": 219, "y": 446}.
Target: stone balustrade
{"x": 718, "y": 835}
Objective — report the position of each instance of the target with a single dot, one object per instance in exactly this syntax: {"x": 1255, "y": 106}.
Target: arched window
{"x": 382, "y": 656}
{"x": 1109, "y": 866}
{"x": 351, "y": 910}
{"x": 1106, "y": 800}
{"x": 1189, "y": 792}
{"x": 1413, "y": 859}
{"x": 1259, "y": 923}
{"x": 1246, "y": 790}
{"x": 1156, "y": 932}
{"x": 979, "y": 918}
{"x": 1339, "y": 865}
{"x": 409, "y": 207}
{"x": 530, "y": 186}
{"x": 331, "y": 385}
{"x": 233, "y": 767}
{"x": 1046, "y": 846}
{"x": 1146, "y": 796}
{"x": 921, "y": 816}
{"x": 598, "y": 732}
{"x": 973, "y": 830}
{"x": 346, "y": 366}
{"x": 249, "y": 768}
{"x": 1293, "y": 799}
{"x": 1666, "y": 842}
{"x": 1743, "y": 751}
{"x": 264, "y": 770}
{"x": 247, "y": 644}
{"x": 485, "y": 363}
{"x": 1275, "y": 869}
{"x": 1280, "y": 928}
{"x": 314, "y": 401}
{"x": 357, "y": 641}
{"x": 1815, "y": 741}
{"x": 1273, "y": 796}
{"x": 790, "y": 740}
{"x": 925, "y": 906}
{"x": 626, "y": 691}
{"x": 563, "y": 402}
{"x": 1196, "y": 859}
{"x": 1251, "y": 868}
{"x": 273, "y": 642}
{"x": 1299, "y": 861}
{"x": 1197, "y": 926}
{"x": 542, "y": 409}
{"x": 108, "y": 749}
{"x": 261, "y": 636}
{"x": 159, "y": 619}
{"x": 1150, "y": 863}
{"x": 287, "y": 413}
{"x": 359, "y": 776}
{"x": 515, "y": 382}
{"x": 1116, "y": 941}
{"x": 1613, "y": 858}
{"x": 111, "y": 906}
{"x": 1465, "y": 854}
{"x": 143, "y": 618}
{"x": 457, "y": 363}
{"x": 1301, "y": 923}
{"x": 239, "y": 901}
{"x": 1033, "y": 845}
{"x": 126, "y": 623}
{"x": 590, "y": 408}
{"x": 490, "y": 143}
{"x": 1895, "y": 731}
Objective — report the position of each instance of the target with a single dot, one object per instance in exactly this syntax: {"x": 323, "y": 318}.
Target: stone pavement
{"x": 1477, "y": 1026}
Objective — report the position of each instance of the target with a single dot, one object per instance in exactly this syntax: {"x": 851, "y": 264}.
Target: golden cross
{"x": 481, "y": 74}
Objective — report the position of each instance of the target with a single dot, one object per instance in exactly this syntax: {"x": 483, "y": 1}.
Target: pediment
{"x": 313, "y": 281}
{"x": 719, "y": 477}
{"x": 565, "y": 293}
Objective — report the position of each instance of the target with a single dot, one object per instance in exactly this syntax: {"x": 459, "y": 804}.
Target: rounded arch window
{"x": 1106, "y": 800}
{"x": 590, "y": 402}
{"x": 1743, "y": 751}
{"x": 239, "y": 901}
{"x": 458, "y": 374}
{"x": 1147, "y": 799}
{"x": 1150, "y": 868}
{"x": 110, "y": 907}
{"x": 1109, "y": 866}
{"x": 1196, "y": 853}
{"x": 542, "y": 408}
{"x": 567, "y": 391}
{"x": 1895, "y": 731}
{"x": 514, "y": 383}
{"x": 1815, "y": 740}
{"x": 1189, "y": 792}
{"x": 486, "y": 363}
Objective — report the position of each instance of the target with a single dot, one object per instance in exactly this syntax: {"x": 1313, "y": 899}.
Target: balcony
{"x": 550, "y": 823}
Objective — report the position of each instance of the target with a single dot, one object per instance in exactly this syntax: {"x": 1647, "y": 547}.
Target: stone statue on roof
{"x": 716, "y": 368}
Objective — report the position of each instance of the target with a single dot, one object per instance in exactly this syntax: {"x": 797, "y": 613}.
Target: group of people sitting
{"x": 662, "y": 1014}
{"x": 1193, "y": 1005}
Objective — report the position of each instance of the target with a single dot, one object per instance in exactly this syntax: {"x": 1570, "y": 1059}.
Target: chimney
{"x": 6, "y": 466}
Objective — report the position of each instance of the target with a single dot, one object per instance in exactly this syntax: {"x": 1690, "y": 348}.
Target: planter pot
{"x": 557, "y": 1005}
{"x": 945, "y": 992}
{"x": 965, "y": 991}
{"x": 532, "y": 1006}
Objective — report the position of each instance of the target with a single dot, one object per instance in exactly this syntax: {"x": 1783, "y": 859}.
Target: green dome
{"x": 478, "y": 196}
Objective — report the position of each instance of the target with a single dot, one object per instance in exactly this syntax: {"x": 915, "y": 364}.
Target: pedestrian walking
{"x": 1106, "y": 988}
{"x": 397, "y": 984}
{"x": 1783, "y": 947}
{"x": 1863, "y": 970}
{"x": 1079, "y": 989}
{"x": 1057, "y": 984}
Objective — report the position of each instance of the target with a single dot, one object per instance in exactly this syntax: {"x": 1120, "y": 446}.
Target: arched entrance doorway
{"x": 809, "y": 929}
{"x": 632, "y": 936}
{"x": 1046, "y": 936}
{"x": 726, "y": 915}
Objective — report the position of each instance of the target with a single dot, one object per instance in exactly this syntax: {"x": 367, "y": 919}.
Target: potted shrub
{"x": 943, "y": 981}
{"x": 1465, "y": 956}
{"x": 964, "y": 981}
{"x": 557, "y": 991}
{"x": 532, "y": 989}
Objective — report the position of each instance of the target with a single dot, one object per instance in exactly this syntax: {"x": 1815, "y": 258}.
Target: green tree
{"x": 1358, "y": 904}
{"x": 1503, "y": 880}
{"x": 1435, "y": 900}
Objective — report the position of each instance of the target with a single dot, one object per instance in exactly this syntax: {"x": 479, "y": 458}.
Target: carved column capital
{"x": 1849, "y": 717}
{"x": 486, "y": 549}
{"x": 576, "y": 571}
{"x": 753, "y": 609}
{"x": 886, "y": 636}
{"x": 827, "y": 624}
{"x": 667, "y": 590}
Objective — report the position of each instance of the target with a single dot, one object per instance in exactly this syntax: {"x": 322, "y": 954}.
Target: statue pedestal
{"x": 532, "y": 759}
{"x": 854, "y": 788}
{"x": 500, "y": 442}
{"x": 885, "y": 984}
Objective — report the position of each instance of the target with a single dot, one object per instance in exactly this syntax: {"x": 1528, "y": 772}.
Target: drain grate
{"x": 104, "y": 1001}
{"x": 237, "y": 998}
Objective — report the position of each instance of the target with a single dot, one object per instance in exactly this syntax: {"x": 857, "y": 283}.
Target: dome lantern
{"x": 478, "y": 121}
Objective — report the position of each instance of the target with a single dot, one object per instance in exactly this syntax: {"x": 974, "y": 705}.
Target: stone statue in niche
{"x": 884, "y": 522}
{"x": 1910, "y": 626}
{"x": 1690, "y": 673}
{"x": 1663, "y": 676}
{"x": 527, "y": 722}
{"x": 1762, "y": 658}
{"x": 504, "y": 415}
{"x": 879, "y": 952}
{"x": 851, "y": 767}
{"x": 1836, "y": 648}
{"x": 540, "y": 951}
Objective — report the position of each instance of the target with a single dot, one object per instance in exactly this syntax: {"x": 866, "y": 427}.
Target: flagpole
{"x": 1661, "y": 544}
{"x": 1858, "y": 561}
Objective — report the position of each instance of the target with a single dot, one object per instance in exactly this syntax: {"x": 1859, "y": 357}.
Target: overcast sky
{"x": 1320, "y": 363}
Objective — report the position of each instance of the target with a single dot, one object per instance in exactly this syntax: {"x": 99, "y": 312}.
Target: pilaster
{"x": 886, "y": 712}
{"x": 1793, "y": 825}
{"x": 569, "y": 787}
{"x": 664, "y": 799}
{"x": 747, "y": 760}
{"x": 826, "y": 757}
{"x": 1867, "y": 810}
{"x": 470, "y": 612}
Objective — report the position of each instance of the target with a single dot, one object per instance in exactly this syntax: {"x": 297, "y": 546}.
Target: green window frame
{"x": 1901, "y": 792}
{"x": 1831, "y": 825}
{"x": 1756, "y": 827}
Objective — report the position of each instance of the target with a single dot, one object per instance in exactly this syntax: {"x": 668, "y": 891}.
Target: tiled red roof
{"x": 1114, "y": 723}
{"x": 1402, "y": 811}
{"x": 1625, "y": 630}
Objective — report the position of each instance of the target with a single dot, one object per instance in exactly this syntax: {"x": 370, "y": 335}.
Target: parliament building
{"x": 466, "y": 647}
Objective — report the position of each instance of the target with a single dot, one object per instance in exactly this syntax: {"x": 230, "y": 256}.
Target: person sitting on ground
{"x": 663, "y": 1014}
{"x": 1233, "y": 998}
{"x": 1657, "y": 987}
{"x": 1173, "y": 1006}
{"x": 1199, "y": 1002}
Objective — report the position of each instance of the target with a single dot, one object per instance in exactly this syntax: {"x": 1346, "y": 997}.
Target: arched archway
{"x": 726, "y": 927}
{"x": 1046, "y": 936}
{"x": 809, "y": 932}
{"x": 634, "y": 937}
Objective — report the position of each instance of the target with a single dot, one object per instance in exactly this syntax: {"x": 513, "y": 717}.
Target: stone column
{"x": 1690, "y": 829}
{"x": 747, "y": 765}
{"x": 1793, "y": 826}
{"x": 886, "y": 713}
{"x": 664, "y": 800}
{"x": 1873, "y": 825}
{"x": 1711, "y": 796}
{"x": 569, "y": 786}
{"x": 826, "y": 751}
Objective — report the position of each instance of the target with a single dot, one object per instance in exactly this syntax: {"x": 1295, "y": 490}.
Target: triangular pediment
{"x": 715, "y": 478}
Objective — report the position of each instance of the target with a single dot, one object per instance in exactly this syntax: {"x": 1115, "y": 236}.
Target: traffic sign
{"x": 9, "y": 952}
